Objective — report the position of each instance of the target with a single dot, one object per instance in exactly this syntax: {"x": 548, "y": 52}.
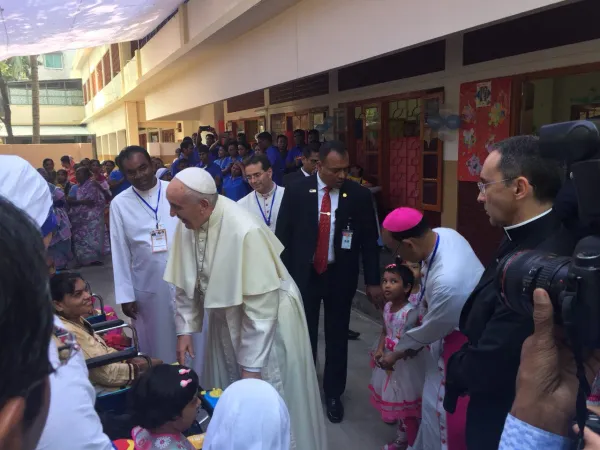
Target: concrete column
{"x": 132, "y": 123}
{"x": 121, "y": 140}
{"x": 105, "y": 146}
{"x": 184, "y": 33}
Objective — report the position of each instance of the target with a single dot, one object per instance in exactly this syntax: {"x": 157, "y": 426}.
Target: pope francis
{"x": 226, "y": 261}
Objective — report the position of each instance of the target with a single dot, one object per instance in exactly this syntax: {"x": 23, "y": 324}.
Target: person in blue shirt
{"x": 229, "y": 161}
{"x": 117, "y": 181}
{"x": 265, "y": 143}
{"x": 293, "y": 161}
{"x": 234, "y": 185}
{"x": 313, "y": 136}
{"x": 244, "y": 150}
{"x": 220, "y": 161}
{"x": 187, "y": 152}
{"x": 213, "y": 145}
{"x": 282, "y": 145}
{"x": 210, "y": 167}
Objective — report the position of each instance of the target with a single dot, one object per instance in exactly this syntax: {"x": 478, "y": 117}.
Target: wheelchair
{"x": 112, "y": 406}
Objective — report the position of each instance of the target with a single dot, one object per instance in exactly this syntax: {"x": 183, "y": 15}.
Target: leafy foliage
{"x": 16, "y": 69}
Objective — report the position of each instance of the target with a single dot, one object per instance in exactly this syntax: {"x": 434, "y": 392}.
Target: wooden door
{"x": 432, "y": 157}
{"x": 368, "y": 140}
{"x": 143, "y": 140}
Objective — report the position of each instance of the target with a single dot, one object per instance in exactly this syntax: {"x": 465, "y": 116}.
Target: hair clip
{"x": 184, "y": 371}
{"x": 184, "y": 383}
{"x": 390, "y": 266}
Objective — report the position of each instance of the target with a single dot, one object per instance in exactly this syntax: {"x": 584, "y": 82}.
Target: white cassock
{"x": 231, "y": 267}
{"x": 265, "y": 207}
{"x": 449, "y": 280}
{"x": 138, "y": 271}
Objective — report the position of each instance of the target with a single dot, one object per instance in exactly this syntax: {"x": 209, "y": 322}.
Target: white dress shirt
{"x": 334, "y": 194}
{"x": 264, "y": 206}
{"x": 304, "y": 172}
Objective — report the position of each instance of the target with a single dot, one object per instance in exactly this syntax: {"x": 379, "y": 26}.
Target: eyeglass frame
{"x": 481, "y": 185}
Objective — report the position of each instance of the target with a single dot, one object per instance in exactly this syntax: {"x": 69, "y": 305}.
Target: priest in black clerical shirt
{"x": 517, "y": 190}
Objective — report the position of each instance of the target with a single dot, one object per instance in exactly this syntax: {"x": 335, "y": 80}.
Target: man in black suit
{"x": 325, "y": 223}
{"x": 517, "y": 189}
{"x": 310, "y": 158}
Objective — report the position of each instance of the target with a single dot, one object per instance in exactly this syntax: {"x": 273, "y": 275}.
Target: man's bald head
{"x": 191, "y": 207}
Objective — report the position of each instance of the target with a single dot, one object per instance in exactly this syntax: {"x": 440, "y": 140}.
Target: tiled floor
{"x": 361, "y": 429}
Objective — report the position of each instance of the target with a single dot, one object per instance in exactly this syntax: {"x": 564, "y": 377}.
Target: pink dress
{"x": 397, "y": 394}
{"x": 144, "y": 440}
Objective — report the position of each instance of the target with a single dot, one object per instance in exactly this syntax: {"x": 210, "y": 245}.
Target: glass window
{"x": 53, "y": 61}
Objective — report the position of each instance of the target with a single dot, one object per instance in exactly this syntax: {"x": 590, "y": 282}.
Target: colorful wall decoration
{"x": 485, "y": 113}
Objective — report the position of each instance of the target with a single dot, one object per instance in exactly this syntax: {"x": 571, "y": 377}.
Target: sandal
{"x": 396, "y": 444}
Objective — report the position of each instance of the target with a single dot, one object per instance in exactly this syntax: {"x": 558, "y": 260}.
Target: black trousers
{"x": 337, "y": 302}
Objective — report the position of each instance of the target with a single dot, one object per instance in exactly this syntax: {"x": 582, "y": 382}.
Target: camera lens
{"x": 520, "y": 273}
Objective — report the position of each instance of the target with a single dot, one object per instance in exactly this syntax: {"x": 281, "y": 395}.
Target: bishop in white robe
{"x": 450, "y": 272}
{"x": 139, "y": 262}
{"x": 227, "y": 263}
{"x": 265, "y": 199}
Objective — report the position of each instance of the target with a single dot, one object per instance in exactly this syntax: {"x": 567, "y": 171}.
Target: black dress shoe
{"x": 353, "y": 335}
{"x": 335, "y": 410}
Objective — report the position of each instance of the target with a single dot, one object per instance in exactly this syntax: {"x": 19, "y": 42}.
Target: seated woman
{"x": 72, "y": 301}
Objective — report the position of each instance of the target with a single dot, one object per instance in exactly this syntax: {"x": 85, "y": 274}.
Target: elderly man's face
{"x": 189, "y": 210}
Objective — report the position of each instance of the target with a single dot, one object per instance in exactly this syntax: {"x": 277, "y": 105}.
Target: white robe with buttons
{"x": 258, "y": 205}
{"x": 138, "y": 272}
{"x": 231, "y": 267}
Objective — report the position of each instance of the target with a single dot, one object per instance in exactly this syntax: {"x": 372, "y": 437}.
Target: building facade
{"x": 61, "y": 103}
{"x": 369, "y": 73}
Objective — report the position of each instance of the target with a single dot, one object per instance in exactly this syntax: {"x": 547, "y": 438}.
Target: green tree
{"x": 12, "y": 69}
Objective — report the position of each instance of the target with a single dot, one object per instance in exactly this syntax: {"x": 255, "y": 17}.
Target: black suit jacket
{"x": 298, "y": 225}
{"x": 486, "y": 367}
{"x": 292, "y": 177}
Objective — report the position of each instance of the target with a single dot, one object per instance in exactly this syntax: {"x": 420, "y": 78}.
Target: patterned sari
{"x": 88, "y": 227}
{"x": 60, "y": 246}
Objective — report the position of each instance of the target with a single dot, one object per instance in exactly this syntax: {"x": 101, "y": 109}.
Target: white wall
{"x": 166, "y": 42}
{"x": 314, "y": 36}
{"x": 57, "y": 74}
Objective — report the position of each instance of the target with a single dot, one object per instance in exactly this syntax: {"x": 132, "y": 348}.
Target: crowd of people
{"x": 222, "y": 262}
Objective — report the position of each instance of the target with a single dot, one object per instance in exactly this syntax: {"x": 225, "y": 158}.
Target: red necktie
{"x": 322, "y": 251}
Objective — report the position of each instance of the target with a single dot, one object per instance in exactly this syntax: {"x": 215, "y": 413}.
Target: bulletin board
{"x": 485, "y": 113}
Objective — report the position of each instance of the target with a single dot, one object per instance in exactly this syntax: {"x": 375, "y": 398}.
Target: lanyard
{"x": 154, "y": 210}
{"x": 437, "y": 243}
{"x": 267, "y": 221}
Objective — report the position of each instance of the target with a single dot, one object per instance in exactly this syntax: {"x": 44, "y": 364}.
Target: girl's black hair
{"x": 408, "y": 278}
{"x": 157, "y": 397}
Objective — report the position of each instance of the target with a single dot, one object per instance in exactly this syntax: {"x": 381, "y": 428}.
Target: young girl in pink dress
{"x": 397, "y": 380}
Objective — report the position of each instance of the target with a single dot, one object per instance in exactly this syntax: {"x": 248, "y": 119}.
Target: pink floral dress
{"x": 144, "y": 440}
{"x": 397, "y": 394}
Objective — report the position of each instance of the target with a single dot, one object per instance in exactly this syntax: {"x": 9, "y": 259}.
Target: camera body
{"x": 573, "y": 284}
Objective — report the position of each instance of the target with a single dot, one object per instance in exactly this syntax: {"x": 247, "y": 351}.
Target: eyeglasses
{"x": 254, "y": 176}
{"x": 482, "y": 186}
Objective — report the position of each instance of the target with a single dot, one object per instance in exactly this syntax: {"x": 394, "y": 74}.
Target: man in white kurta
{"x": 450, "y": 272}
{"x": 139, "y": 260}
{"x": 265, "y": 199}
{"x": 227, "y": 262}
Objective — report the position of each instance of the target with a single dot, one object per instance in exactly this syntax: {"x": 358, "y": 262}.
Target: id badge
{"x": 347, "y": 239}
{"x": 159, "y": 240}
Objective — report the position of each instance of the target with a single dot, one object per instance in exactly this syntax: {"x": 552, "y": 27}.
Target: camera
{"x": 204, "y": 128}
{"x": 573, "y": 284}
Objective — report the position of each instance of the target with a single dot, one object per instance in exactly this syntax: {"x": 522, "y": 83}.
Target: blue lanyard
{"x": 437, "y": 243}
{"x": 154, "y": 210}
{"x": 267, "y": 221}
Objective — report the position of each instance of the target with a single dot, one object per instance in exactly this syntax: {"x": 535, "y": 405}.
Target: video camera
{"x": 573, "y": 284}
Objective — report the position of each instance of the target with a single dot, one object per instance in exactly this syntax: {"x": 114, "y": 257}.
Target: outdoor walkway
{"x": 361, "y": 429}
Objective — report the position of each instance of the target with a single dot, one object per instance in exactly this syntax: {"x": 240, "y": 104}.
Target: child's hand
{"x": 378, "y": 354}
{"x": 387, "y": 361}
